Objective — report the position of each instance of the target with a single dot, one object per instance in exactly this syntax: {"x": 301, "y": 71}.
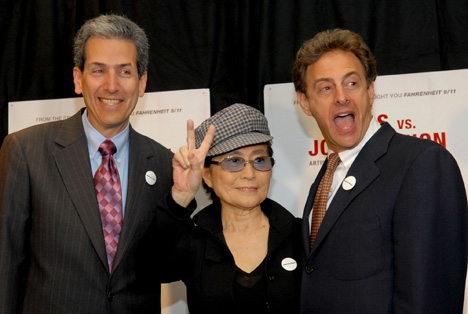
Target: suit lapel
{"x": 138, "y": 210}
{"x": 308, "y": 208}
{"x": 72, "y": 160}
{"x": 364, "y": 170}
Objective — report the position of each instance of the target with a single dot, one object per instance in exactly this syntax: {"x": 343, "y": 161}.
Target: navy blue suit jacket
{"x": 397, "y": 241}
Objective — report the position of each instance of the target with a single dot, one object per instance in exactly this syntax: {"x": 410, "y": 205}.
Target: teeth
{"x": 343, "y": 115}
{"x": 110, "y": 102}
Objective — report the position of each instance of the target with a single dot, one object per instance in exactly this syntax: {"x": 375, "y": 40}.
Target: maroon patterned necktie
{"x": 109, "y": 196}
{"x": 321, "y": 198}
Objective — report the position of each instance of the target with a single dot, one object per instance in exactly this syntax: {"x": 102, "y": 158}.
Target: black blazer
{"x": 207, "y": 267}
{"x": 397, "y": 241}
{"x": 52, "y": 252}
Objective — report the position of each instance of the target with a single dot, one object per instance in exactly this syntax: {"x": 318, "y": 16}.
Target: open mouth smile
{"x": 110, "y": 102}
{"x": 344, "y": 121}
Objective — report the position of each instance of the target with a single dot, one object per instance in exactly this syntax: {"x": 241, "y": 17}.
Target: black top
{"x": 250, "y": 289}
{"x": 216, "y": 285}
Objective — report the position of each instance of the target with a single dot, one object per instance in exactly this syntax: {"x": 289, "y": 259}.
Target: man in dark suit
{"x": 53, "y": 257}
{"x": 393, "y": 238}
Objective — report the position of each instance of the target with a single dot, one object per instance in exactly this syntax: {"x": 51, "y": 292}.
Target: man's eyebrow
{"x": 350, "y": 73}
{"x": 96, "y": 64}
{"x": 324, "y": 79}
{"x": 122, "y": 65}
{"x": 327, "y": 79}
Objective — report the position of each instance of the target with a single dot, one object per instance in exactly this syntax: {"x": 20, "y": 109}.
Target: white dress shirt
{"x": 347, "y": 158}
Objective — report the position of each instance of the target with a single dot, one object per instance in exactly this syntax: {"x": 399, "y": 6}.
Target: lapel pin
{"x": 150, "y": 177}
{"x": 289, "y": 264}
{"x": 349, "y": 183}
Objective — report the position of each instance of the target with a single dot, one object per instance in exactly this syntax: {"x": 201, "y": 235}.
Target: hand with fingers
{"x": 188, "y": 165}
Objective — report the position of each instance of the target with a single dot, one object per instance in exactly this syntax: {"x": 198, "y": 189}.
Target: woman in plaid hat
{"x": 242, "y": 254}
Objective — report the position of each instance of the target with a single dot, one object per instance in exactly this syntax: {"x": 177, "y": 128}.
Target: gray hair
{"x": 112, "y": 26}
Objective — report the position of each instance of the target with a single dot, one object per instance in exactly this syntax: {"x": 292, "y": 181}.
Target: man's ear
{"x": 371, "y": 92}
{"x": 142, "y": 87}
{"x": 77, "y": 74}
{"x": 304, "y": 102}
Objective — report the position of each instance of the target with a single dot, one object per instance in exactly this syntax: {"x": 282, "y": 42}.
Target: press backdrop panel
{"x": 162, "y": 116}
{"x": 432, "y": 105}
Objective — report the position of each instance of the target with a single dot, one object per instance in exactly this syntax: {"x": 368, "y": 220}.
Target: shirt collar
{"x": 348, "y": 156}
{"x": 95, "y": 138}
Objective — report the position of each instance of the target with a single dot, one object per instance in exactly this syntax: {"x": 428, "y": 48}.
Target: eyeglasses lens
{"x": 237, "y": 164}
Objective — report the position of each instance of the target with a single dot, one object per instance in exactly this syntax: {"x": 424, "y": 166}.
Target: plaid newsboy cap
{"x": 237, "y": 126}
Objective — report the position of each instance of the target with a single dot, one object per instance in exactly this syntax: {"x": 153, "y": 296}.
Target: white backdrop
{"x": 429, "y": 105}
{"x": 162, "y": 116}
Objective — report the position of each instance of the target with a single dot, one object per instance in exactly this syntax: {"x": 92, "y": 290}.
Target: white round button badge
{"x": 349, "y": 183}
{"x": 150, "y": 177}
{"x": 289, "y": 264}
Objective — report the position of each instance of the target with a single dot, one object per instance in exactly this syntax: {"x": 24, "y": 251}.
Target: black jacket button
{"x": 309, "y": 269}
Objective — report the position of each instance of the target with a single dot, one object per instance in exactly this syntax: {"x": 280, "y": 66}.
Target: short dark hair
{"x": 338, "y": 39}
{"x": 112, "y": 26}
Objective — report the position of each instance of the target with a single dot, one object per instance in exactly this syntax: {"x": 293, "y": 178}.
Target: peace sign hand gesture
{"x": 188, "y": 165}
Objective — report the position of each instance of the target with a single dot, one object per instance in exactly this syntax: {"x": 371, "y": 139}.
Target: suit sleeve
{"x": 430, "y": 236}
{"x": 174, "y": 240}
{"x": 14, "y": 221}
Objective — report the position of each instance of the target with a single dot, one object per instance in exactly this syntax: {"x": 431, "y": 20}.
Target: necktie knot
{"x": 333, "y": 162}
{"x": 107, "y": 148}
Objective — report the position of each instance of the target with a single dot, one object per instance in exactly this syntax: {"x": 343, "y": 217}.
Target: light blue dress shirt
{"x": 121, "y": 142}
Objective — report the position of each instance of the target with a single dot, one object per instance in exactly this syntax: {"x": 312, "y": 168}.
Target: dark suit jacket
{"x": 52, "y": 252}
{"x": 397, "y": 241}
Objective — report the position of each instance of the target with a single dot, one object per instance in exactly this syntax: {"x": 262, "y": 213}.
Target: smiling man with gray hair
{"x": 79, "y": 198}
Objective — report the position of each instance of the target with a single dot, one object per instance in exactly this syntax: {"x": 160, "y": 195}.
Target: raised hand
{"x": 188, "y": 164}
